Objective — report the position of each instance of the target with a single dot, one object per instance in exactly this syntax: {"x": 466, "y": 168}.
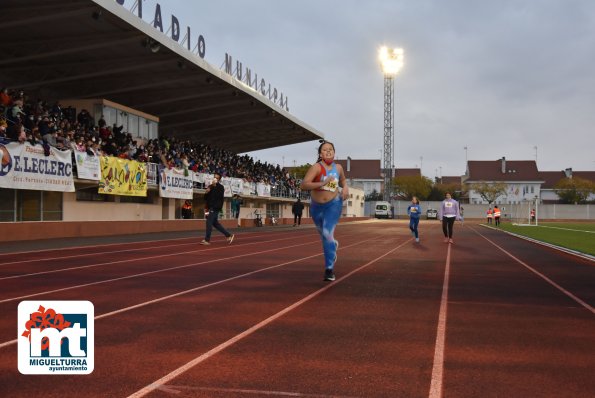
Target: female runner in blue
{"x": 323, "y": 180}
{"x": 414, "y": 212}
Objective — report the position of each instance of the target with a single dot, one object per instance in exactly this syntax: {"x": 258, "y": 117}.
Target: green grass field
{"x": 575, "y": 236}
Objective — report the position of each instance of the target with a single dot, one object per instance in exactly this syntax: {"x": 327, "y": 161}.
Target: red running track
{"x": 488, "y": 316}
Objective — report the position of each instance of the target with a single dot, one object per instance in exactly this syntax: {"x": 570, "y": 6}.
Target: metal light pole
{"x": 391, "y": 62}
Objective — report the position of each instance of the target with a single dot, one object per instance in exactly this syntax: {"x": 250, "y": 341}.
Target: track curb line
{"x": 550, "y": 245}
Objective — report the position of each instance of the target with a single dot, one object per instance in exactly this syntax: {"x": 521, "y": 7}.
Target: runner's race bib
{"x": 448, "y": 204}
{"x": 330, "y": 186}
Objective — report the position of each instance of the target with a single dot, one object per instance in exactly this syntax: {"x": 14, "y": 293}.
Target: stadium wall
{"x": 22, "y": 231}
{"x": 551, "y": 212}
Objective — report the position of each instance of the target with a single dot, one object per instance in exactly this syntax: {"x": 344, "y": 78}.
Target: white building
{"x": 521, "y": 177}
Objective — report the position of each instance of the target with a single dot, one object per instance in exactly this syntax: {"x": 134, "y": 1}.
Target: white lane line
{"x": 178, "y": 389}
{"x": 90, "y": 246}
{"x": 189, "y": 365}
{"x": 62, "y": 249}
{"x": 438, "y": 366}
{"x": 152, "y": 246}
{"x": 202, "y": 287}
{"x": 575, "y": 253}
{"x": 137, "y": 259}
{"x": 143, "y": 304}
{"x": 545, "y": 278}
{"x": 566, "y": 229}
{"x": 152, "y": 272}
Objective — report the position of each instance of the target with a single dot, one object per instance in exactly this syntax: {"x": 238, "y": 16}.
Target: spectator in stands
{"x": 13, "y": 131}
{"x": 84, "y": 118}
{"x": 5, "y": 99}
{"x": 64, "y": 129}
{"x": 80, "y": 144}
{"x": 3, "y": 126}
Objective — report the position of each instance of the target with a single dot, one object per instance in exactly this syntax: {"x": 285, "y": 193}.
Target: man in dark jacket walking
{"x": 214, "y": 199}
{"x": 297, "y": 209}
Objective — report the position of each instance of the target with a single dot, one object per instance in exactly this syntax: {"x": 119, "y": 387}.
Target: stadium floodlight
{"x": 391, "y": 62}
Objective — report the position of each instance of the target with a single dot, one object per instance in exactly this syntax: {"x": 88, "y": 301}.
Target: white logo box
{"x": 53, "y": 321}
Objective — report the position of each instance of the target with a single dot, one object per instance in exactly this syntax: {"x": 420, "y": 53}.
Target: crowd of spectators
{"x": 38, "y": 122}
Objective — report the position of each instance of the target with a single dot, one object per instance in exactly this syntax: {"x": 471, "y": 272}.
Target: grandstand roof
{"x": 99, "y": 49}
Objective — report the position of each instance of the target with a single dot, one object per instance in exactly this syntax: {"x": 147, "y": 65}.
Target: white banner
{"x": 237, "y": 185}
{"x": 152, "y": 173}
{"x": 226, "y": 182}
{"x": 87, "y": 166}
{"x": 24, "y": 166}
{"x": 199, "y": 177}
{"x": 174, "y": 184}
{"x": 263, "y": 190}
{"x": 249, "y": 188}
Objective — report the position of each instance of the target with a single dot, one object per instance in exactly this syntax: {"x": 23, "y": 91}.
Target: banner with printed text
{"x": 237, "y": 185}
{"x": 87, "y": 166}
{"x": 174, "y": 184}
{"x": 248, "y": 188}
{"x": 122, "y": 177}
{"x": 226, "y": 182}
{"x": 24, "y": 166}
{"x": 263, "y": 190}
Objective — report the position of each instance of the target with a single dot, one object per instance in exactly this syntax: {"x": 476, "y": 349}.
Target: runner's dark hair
{"x": 322, "y": 142}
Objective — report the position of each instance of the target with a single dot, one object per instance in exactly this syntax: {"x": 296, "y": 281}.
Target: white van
{"x": 382, "y": 210}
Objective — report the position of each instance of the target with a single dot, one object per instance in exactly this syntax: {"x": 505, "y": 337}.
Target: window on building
{"x": 28, "y": 205}
{"x": 272, "y": 210}
{"x": 7, "y": 205}
{"x": 149, "y": 199}
{"x": 90, "y": 194}
{"x": 52, "y": 206}
{"x": 133, "y": 125}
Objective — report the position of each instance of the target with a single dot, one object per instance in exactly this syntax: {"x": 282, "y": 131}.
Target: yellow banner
{"x": 122, "y": 177}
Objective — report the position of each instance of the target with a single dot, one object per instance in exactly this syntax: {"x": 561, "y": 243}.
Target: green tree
{"x": 574, "y": 190}
{"x": 489, "y": 191}
{"x": 439, "y": 190}
{"x": 410, "y": 186}
{"x": 300, "y": 171}
{"x": 373, "y": 196}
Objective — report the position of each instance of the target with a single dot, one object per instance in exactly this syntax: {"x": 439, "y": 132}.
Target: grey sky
{"x": 499, "y": 77}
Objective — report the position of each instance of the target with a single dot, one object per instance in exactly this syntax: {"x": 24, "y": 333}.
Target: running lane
{"x": 510, "y": 332}
{"x": 370, "y": 334}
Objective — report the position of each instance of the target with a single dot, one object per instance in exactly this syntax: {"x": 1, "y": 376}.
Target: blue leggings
{"x": 413, "y": 223}
{"x": 326, "y": 216}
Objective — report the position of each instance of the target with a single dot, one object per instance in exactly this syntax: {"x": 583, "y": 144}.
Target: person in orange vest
{"x": 497, "y": 215}
{"x": 187, "y": 209}
{"x": 490, "y": 215}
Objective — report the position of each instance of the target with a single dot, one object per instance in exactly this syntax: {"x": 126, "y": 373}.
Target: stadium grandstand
{"x": 100, "y": 113}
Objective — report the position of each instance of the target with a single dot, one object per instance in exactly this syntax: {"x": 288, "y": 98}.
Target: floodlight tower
{"x": 391, "y": 61}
